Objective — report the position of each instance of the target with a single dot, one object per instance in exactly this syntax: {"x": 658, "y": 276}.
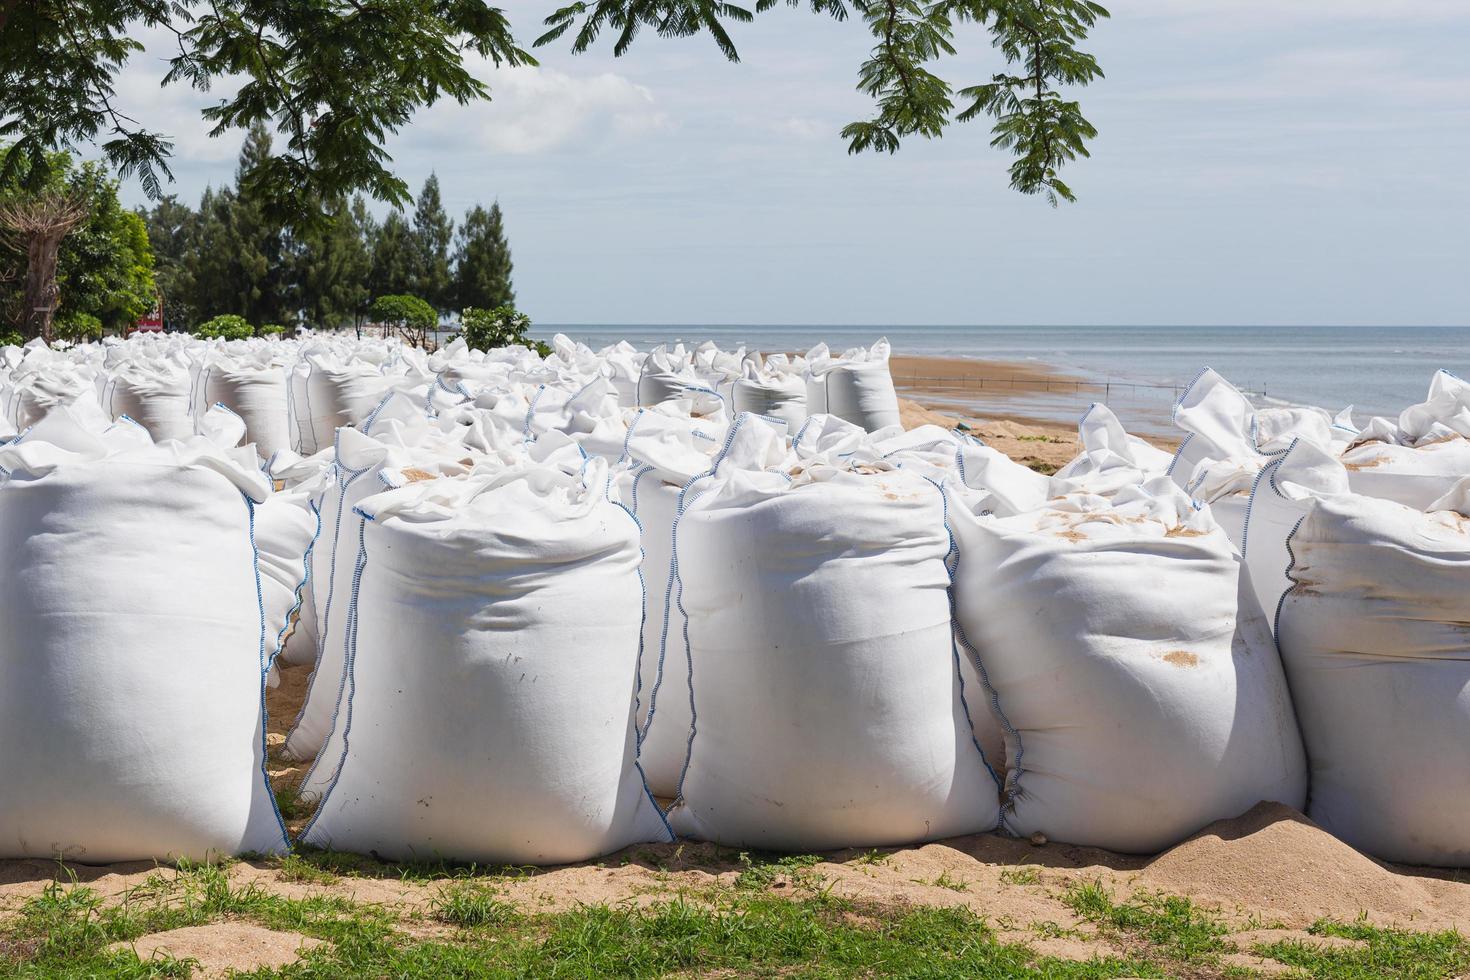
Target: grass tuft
{"x": 470, "y": 904}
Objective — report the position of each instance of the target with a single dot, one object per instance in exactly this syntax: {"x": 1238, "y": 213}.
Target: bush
{"x": 408, "y": 315}
{"x": 271, "y": 330}
{"x": 9, "y": 338}
{"x": 77, "y": 327}
{"x": 503, "y": 326}
{"x": 227, "y": 326}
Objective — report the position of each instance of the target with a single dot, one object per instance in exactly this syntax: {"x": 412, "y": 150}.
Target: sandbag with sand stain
{"x": 813, "y": 631}
{"x": 1133, "y": 670}
{"x": 1374, "y": 636}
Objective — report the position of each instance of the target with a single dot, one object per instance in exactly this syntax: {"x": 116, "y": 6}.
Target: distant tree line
{"x": 230, "y": 257}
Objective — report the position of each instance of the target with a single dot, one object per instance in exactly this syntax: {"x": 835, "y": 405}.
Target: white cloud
{"x": 538, "y": 110}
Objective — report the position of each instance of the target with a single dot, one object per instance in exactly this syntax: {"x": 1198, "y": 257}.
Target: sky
{"x": 1275, "y": 162}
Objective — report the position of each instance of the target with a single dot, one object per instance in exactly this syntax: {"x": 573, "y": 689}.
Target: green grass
{"x": 471, "y": 904}
{"x": 1389, "y": 953}
{"x": 64, "y": 932}
{"x": 1172, "y": 925}
{"x": 749, "y": 930}
{"x": 1024, "y": 875}
{"x": 763, "y": 872}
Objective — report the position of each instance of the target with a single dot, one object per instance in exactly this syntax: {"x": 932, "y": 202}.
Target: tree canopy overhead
{"x": 335, "y": 78}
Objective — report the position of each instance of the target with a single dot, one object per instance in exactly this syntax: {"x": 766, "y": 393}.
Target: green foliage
{"x": 432, "y": 233}
{"x": 338, "y": 79}
{"x": 409, "y": 315}
{"x": 270, "y": 330}
{"x": 1038, "y": 39}
{"x": 392, "y": 258}
{"x": 104, "y": 265}
{"x": 482, "y": 261}
{"x": 335, "y": 79}
{"x": 1169, "y": 922}
{"x": 503, "y": 326}
{"x": 11, "y": 338}
{"x": 77, "y": 327}
{"x": 1389, "y": 953}
{"x": 466, "y": 903}
{"x": 226, "y": 326}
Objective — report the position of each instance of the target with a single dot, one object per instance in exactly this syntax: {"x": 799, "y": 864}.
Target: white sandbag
{"x": 1418, "y": 459}
{"x": 857, "y": 387}
{"x": 490, "y": 705}
{"x": 305, "y": 482}
{"x": 254, "y": 388}
{"x": 828, "y": 709}
{"x": 1228, "y": 441}
{"x": 329, "y": 392}
{"x": 660, "y": 455}
{"x": 667, "y": 375}
{"x": 1110, "y": 460}
{"x": 1141, "y": 692}
{"x": 1372, "y": 628}
{"x": 396, "y": 435}
{"x": 773, "y": 393}
{"x": 132, "y": 659}
{"x": 155, "y": 394}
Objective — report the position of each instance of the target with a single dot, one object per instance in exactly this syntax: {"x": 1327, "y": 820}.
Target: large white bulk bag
{"x": 668, "y": 375}
{"x": 132, "y": 658}
{"x": 494, "y": 652}
{"x": 1420, "y": 457}
{"x": 302, "y": 483}
{"x": 397, "y": 435}
{"x": 329, "y": 392}
{"x": 623, "y": 365}
{"x": 1136, "y": 676}
{"x": 47, "y": 379}
{"x": 1372, "y": 628}
{"x": 660, "y": 455}
{"x": 156, "y": 394}
{"x": 985, "y": 480}
{"x": 827, "y": 703}
{"x": 767, "y": 390}
{"x": 856, "y": 387}
{"x": 255, "y": 388}
{"x": 1228, "y": 441}
{"x": 1110, "y": 459}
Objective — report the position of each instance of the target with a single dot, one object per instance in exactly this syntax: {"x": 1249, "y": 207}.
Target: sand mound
{"x": 223, "y": 947}
{"x": 1273, "y": 859}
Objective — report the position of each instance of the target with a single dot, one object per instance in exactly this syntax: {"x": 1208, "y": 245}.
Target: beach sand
{"x": 1030, "y": 393}
{"x": 938, "y": 391}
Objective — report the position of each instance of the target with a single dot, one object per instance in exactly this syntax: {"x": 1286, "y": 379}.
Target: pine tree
{"x": 393, "y": 258}
{"x": 432, "y": 233}
{"x": 332, "y": 267}
{"x": 482, "y": 271}
{"x": 260, "y": 291}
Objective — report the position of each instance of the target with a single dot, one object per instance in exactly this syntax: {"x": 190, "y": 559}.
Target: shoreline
{"x": 1011, "y": 406}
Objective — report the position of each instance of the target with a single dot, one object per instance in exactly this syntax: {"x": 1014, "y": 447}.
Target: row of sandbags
{"x": 800, "y": 638}
{"x": 294, "y": 394}
{"x": 1358, "y": 542}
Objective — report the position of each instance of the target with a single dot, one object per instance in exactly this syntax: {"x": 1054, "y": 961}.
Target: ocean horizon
{"x": 1376, "y": 370}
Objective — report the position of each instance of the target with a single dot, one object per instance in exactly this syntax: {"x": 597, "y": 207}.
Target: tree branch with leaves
{"x": 335, "y": 78}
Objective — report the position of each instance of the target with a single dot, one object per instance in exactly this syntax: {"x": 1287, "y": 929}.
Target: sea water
{"x": 1377, "y": 370}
